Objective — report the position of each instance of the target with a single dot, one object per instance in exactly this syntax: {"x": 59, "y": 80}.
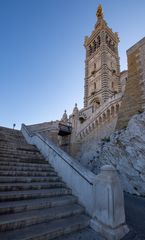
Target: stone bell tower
{"x": 102, "y": 68}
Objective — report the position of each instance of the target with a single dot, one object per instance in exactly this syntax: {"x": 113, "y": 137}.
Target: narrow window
{"x": 95, "y": 45}
{"x": 112, "y": 85}
{"x": 90, "y": 49}
{"x": 94, "y": 85}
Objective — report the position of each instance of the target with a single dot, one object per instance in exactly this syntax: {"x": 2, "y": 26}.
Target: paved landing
{"x": 135, "y": 217}
{"x": 85, "y": 234}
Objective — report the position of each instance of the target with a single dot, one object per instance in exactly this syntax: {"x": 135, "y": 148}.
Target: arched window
{"x": 99, "y": 40}
{"x": 94, "y": 45}
{"x": 107, "y": 39}
{"x": 90, "y": 50}
{"x": 94, "y": 85}
{"x": 112, "y": 85}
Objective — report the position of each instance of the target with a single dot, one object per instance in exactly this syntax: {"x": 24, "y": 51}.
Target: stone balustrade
{"x": 103, "y": 114}
{"x": 101, "y": 195}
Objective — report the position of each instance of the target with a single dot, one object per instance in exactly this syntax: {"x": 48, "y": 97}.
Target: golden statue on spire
{"x": 99, "y": 12}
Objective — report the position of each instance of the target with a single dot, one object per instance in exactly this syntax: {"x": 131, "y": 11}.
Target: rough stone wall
{"x": 84, "y": 150}
{"x": 125, "y": 150}
{"x": 134, "y": 98}
{"x": 123, "y": 80}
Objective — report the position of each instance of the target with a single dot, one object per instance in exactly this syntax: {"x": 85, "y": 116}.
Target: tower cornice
{"x": 101, "y": 25}
{"x": 113, "y": 35}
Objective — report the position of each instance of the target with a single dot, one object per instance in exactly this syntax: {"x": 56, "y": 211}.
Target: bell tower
{"x": 102, "y": 68}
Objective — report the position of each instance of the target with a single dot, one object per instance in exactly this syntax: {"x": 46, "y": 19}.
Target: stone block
{"x": 109, "y": 218}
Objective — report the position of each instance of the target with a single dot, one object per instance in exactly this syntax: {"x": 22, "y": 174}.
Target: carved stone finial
{"x": 99, "y": 12}
{"x": 64, "y": 117}
{"x": 75, "y": 110}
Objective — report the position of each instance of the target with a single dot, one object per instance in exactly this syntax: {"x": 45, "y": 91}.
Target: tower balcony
{"x": 64, "y": 129}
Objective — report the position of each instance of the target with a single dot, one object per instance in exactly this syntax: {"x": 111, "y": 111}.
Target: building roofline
{"x": 136, "y": 45}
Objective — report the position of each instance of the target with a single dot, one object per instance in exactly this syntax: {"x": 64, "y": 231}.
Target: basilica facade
{"x": 111, "y": 97}
{"x": 104, "y": 86}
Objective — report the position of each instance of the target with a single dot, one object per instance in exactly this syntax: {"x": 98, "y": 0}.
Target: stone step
{"x": 24, "y": 160}
{"x": 10, "y": 155}
{"x": 11, "y": 146}
{"x": 83, "y": 234}
{"x": 28, "y": 173}
{"x": 25, "y": 168}
{"x": 9, "y": 137}
{"x": 15, "y": 153}
{"x": 6, "y": 179}
{"x": 24, "y": 164}
{"x": 21, "y": 156}
{"x": 15, "y": 145}
{"x": 12, "y": 139}
{"x": 18, "y": 195}
{"x": 48, "y": 230}
{"x": 9, "y": 130}
{"x": 35, "y": 204}
{"x": 30, "y": 186}
{"x": 26, "y": 205}
{"x": 27, "y": 150}
{"x": 11, "y": 134}
{"x": 19, "y": 150}
{"x": 24, "y": 219}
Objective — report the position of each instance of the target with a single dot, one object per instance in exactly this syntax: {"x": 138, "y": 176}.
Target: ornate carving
{"x": 99, "y": 12}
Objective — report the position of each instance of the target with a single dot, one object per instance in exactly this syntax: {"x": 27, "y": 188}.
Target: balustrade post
{"x": 109, "y": 216}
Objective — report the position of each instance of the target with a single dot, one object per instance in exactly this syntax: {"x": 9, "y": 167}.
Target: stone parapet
{"x": 105, "y": 203}
{"x": 104, "y": 113}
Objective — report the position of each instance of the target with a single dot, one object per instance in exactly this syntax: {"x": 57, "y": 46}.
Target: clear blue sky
{"x": 42, "y": 54}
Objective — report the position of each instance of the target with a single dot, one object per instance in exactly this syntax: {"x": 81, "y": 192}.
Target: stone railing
{"x": 102, "y": 113}
{"x": 42, "y": 127}
{"x": 101, "y": 195}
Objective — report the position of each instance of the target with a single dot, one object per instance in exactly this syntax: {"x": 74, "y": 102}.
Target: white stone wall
{"x": 142, "y": 67}
{"x": 87, "y": 148}
{"x": 43, "y": 126}
{"x": 123, "y": 80}
{"x": 47, "y": 130}
{"x": 125, "y": 149}
{"x": 94, "y": 192}
{"x": 106, "y": 112}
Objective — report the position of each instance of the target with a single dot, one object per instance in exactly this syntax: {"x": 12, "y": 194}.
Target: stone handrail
{"x": 100, "y": 111}
{"x": 101, "y": 195}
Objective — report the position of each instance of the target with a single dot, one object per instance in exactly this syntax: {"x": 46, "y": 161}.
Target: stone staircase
{"x": 34, "y": 202}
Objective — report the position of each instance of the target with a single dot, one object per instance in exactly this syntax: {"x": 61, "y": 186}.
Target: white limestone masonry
{"x": 124, "y": 149}
{"x": 89, "y": 188}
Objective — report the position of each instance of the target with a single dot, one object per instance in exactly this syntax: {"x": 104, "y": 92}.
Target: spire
{"x": 75, "y": 110}
{"x": 64, "y": 117}
{"x": 99, "y": 12}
